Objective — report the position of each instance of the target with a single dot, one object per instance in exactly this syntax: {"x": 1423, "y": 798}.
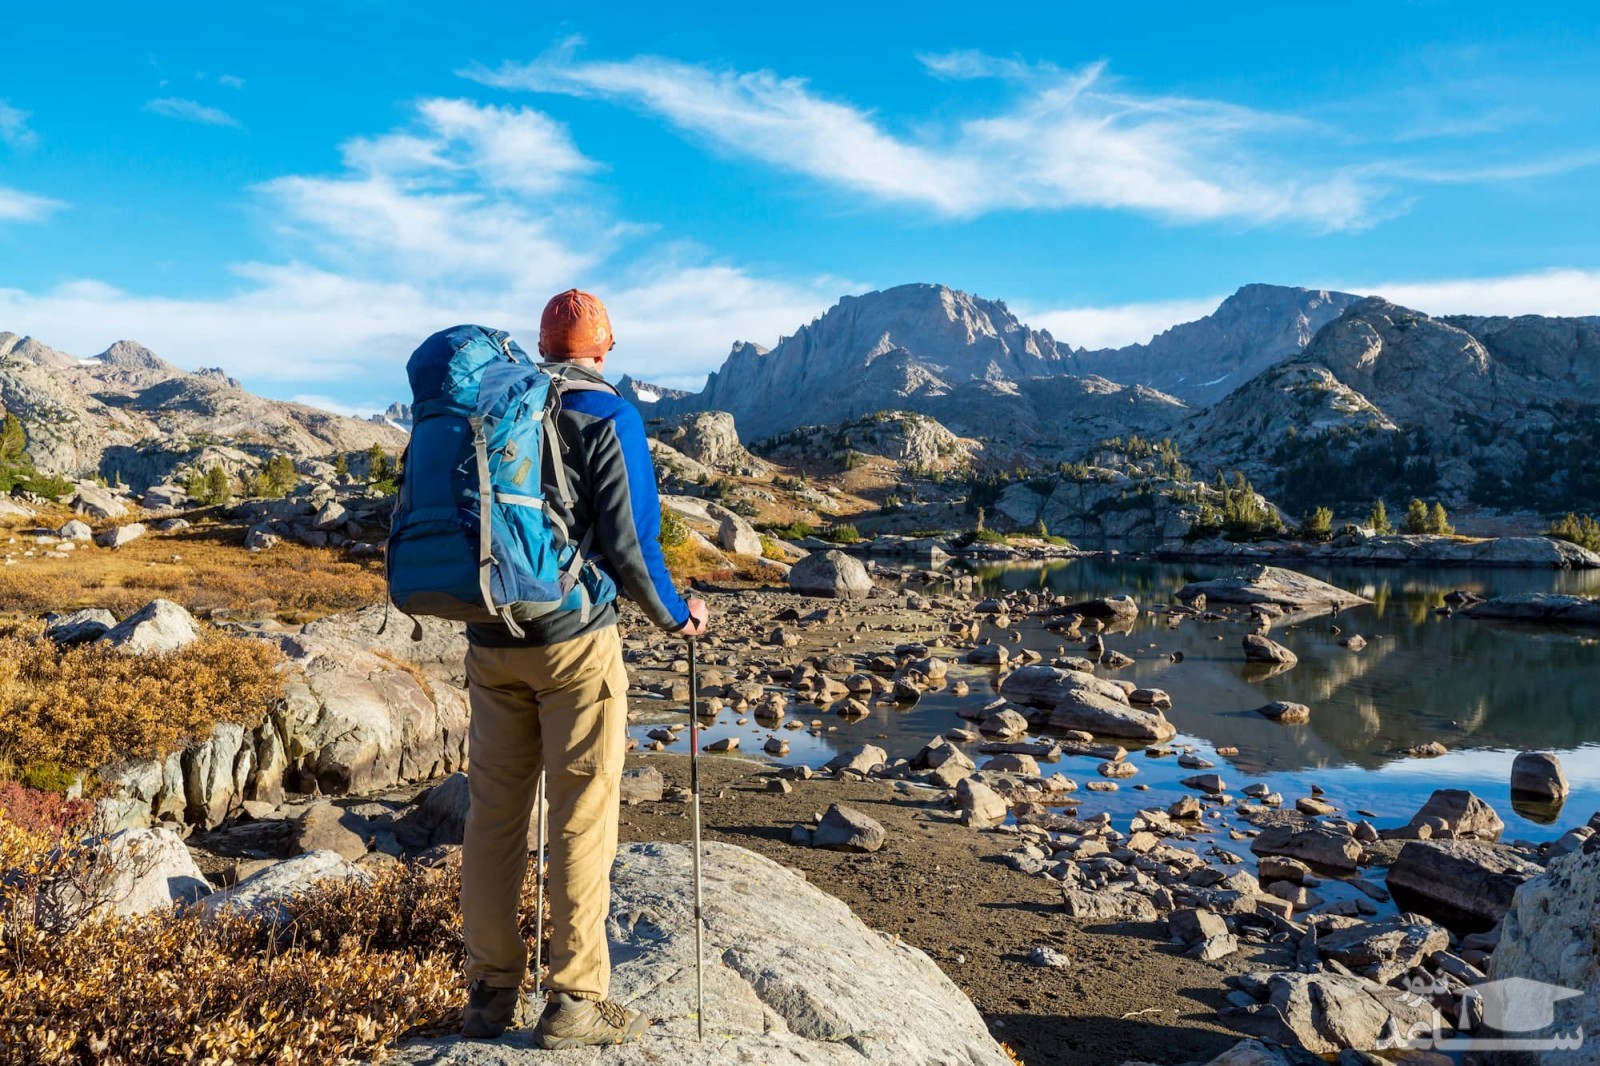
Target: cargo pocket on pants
{"x": 588, "y": 741}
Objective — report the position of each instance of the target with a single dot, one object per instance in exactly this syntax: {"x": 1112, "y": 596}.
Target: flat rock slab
{"x": 1539, "y": 607}
{"x": 796, "y": 979}
{"x": 1272, "y": 584}
{"x": 1460, "y": 878}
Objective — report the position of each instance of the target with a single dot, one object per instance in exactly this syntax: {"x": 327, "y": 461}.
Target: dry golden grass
{"x": 203, "y": 568}
{"x": 83, "y": 707}
{"x": 353, "y": 967}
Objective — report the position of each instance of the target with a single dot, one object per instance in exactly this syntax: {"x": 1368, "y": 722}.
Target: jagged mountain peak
{"x": 131, "y": 355}
{"x": 1202, "y": 361}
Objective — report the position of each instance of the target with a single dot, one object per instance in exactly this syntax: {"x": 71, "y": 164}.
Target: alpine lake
{"x": 1485, "y": 690}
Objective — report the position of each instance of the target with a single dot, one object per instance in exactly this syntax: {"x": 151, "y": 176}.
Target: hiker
{"x": 555, "y": 697}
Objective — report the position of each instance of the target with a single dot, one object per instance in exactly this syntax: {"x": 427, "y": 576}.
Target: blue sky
{"x": 299, "y": 192}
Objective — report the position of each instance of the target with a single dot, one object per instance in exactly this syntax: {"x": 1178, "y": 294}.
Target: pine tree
{"x": 1379, "y": 519}
{"x": 219, "y": 487}
{"x": 13, "y": 441}
{"x": 1417, "y": 517}
{"x": 1439, "y": 521}
{"x": 377, "y": 464}
{"x": 341, "y": 465}
{"x": 1317, "y": 524}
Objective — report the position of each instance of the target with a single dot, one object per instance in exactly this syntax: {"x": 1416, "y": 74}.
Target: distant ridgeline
{"x": 126, "y": 416}
{"x": 1319, "y": 398}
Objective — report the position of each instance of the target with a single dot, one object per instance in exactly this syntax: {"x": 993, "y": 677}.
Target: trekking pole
{"x": 694, "y": 792}
{"x": 538, "y": 888}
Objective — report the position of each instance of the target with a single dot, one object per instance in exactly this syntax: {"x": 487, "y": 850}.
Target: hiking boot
{"x": 571, "y": 1022}
{"x": 491, "y": 1011}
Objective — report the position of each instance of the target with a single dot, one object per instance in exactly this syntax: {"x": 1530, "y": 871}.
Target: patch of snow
{"x": 93, "y": 360}
{"x": 1218, "y": 381}
{"x": 646, "y": 396}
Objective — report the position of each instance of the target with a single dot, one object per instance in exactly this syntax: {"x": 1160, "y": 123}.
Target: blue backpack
{"x": 471, "y": 538}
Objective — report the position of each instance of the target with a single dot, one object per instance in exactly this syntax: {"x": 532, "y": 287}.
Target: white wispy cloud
{"x": 19, "y": 206}
{"x": 1070, "y": 139}
{"x": 231, "y": 81}
{"x": 14, "y": 129}
{"x": 1562, "y": 292}
{"x": 190, "y": 111}
{"x": 1114, "y": 326}
{"x": 465, "y": 214}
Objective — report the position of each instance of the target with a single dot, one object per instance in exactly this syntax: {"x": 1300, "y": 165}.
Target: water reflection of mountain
{"x": 1422, "y": 676}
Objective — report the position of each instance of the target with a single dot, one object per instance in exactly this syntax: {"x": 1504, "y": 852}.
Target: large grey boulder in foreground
{"x": 830, "y": 573}
{"x": 1549, "y": 936}
{"x": 792, "y": 977}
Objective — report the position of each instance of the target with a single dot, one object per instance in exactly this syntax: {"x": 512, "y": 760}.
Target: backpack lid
{"x": 446, "y": 369}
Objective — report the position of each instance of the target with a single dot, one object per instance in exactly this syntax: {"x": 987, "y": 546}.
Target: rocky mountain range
{"x": 1495, "y": 411}
{"x": 128, "y": 415}
{"x": 1323, "y": 397}
{"x": 1200, "y": 362}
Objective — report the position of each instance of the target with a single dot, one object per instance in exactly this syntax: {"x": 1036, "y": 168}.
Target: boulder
{"x": 1037, "y": 685}
{"x": 982, "y": 804}
{"x": 1386, "y": 947}
{"x": 795, "y": 981}
{"x": 736, "y": 535}
{"x": 440, "y": 816}
{"x": 830, "y": 573}
{"x": 1459, "y": 881}
{"x": 1538, "y": 775}
{"x": 847, "y": 829}
{"x": 1548, "y": 936}
{"x": 988, "y": 655}
{"x": 264, "y": 894}
{"x": 322, "y": 827}
{"x": 1284, "y": 711}
{"x": 117, "y": 536}
{"x": 1327, "y": 1013}
{"x": 159, "y": 626}
{"x": 862, "y": 759}
{"x": 1259, "y": 649}
{"x": 98, "y": 503}
{"x": 1113, "y": 607}
{"x": 144, "y": 871}
{"x": 1004, "y": 723}
{"x": 75, "y": 530}
{"x": 939, "y": 752}
{"x": 1539, "y": 607}
{"x": 1093, "y": 712}
{"x": 1316, "y": 844}
{"x": 80, "y": 627}
{"x": 644, "y": 784}
{"x": 1274, "y": 585}
{"x": 1462, "y": 813}
{"x": 369, "y": 711}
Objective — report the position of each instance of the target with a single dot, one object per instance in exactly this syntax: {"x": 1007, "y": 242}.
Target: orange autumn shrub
{"x": 83, "y": 707}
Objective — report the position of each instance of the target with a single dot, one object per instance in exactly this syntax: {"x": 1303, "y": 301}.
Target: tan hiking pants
{"x": 565, "y": 706}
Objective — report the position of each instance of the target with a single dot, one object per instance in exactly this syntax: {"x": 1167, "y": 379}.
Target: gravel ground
{"x": 1127, "y": 995}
